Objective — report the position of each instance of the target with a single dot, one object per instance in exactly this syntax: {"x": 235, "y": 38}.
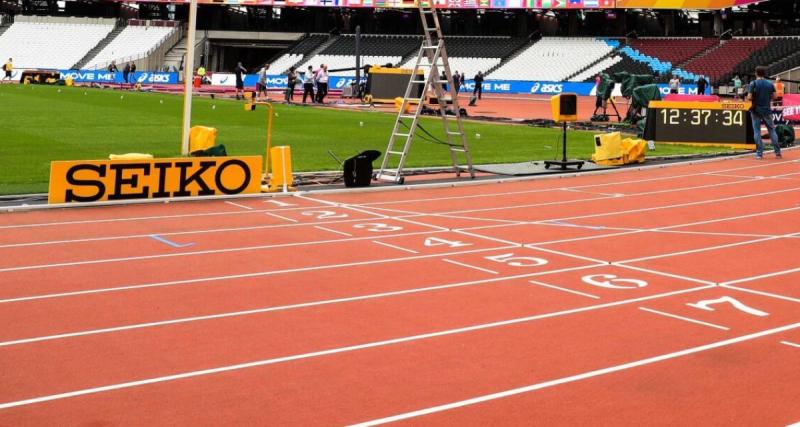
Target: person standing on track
{"x": 761, "y": 93}
{"x": 779, "y": 91}
{"x": 737, "y": 87}
{"x": 239, "y": 71}
{"x": 457, "y": 82}
{"x": 478, "y": 90}
{"x": 701, "y": 85}
{"x": 308, "y": 84}
{"x": 291, "y": 81}
{"x": 674, "y": 85}
{"x": 322, "y": 83}
{"x": 133, "y": 71}
{"x": 8, "y": 67}
{"x": 126, "y": 71}
{"x": 261, "y": 86}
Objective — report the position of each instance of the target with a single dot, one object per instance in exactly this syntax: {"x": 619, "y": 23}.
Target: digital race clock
{"x": 699, "y": 122}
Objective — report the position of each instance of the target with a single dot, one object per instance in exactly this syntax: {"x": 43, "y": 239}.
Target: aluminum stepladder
{"x": 432, "y": 58}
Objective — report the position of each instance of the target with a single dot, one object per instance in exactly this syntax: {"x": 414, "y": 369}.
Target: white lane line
{"x": 281, "y": 217}
{"x": 698, "y": 250}
{"x": 249, "y": 208}
{"x": 547, "y": 285}
{"x": 665, "y": 274}
{"x": 373, "y": 344}
{"x": 578, "y": 377}
{"x": 245, "y": 275}
{"x": 761, "y": 276}
{"x": 686, "y": 319}
{"x": 333, "y": 231}
{"x": 283, "y": 307}
{"x": 400, "y": 248}
{"x": 574, "y": 190}
{"x": 591, "y": 199}
{"x": 762, "y": 293}
{"x": 205, "y": 252}
{"x": 486, "y": 270}
{"x": 542, "y": 190}
{"x": 567, "y": 254}
{"x": 791, "y": 344}
{"x": 182, "y": 233}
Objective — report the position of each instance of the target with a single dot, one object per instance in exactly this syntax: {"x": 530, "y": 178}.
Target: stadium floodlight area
{"x": 135, "y": 41}
{"x": 553, "y": 59}
{"x": 34, "y": 42}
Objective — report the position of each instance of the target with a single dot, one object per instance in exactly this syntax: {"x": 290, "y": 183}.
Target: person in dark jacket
{"x": 478, "y": 84}
{"x": 701, "y": 85}
{"x": 761, "y": 92}
{"x": 239, "y": 71}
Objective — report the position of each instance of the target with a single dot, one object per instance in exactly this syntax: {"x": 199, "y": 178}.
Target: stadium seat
{"x": 135, "y": 41}
{"x": 50, "y": 45}
{"x": 553, "y": 59}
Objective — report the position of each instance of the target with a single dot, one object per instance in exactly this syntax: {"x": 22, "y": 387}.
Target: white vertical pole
{"x": 188, "y": 74}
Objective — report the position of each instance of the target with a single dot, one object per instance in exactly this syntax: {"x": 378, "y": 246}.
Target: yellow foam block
{"x": 130, "y": 156}
{"x": 633, "y": 150}
{"x": 201, "y": 138}
{"x": 281, "y": 178}
{"x": 607, "y": 148}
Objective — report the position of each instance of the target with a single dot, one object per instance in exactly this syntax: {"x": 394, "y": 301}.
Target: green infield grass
{"x": 46, "y": 123}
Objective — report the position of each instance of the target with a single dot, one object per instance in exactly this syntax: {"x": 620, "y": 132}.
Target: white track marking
{"x": 592, "y": 199}
{"x": 547, "y": 285}
{"x": 698, "y": 250}
{"x": 574, "y": 190}
{"x": 274, "y": 215}
{"x": 246, "y": 275}
{"x": 184, "y": 233}
{"x": 686, "y": 319}
{"x": 206, "y": 252}
{"x": 342, "y": 233}
{"x": 486, "y": 270}
{"x": 696, "y": 203}
{"x": 576, "y": 187}
{"x": 761, "y": 276}
{"x": 791, "y": 344}
{"x": 284, "y": 307}
{"x": 567, "y": 254}
{"x": 578, "y": 377}
{"x": 383, "y": 343}
{"x": 400, "y": 248}
{"x": 665, "y": 274}
{"x": 249, "y": 208}
{"x": 762, "y": 293}
{"x": 148, "y": 218}
{"x": 493, "y": 239}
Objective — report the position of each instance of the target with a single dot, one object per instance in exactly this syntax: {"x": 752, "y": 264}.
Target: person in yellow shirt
{"x": 202, "y": 73}
{"x": 8, "y": 67}
{"x": 778, "y": 91}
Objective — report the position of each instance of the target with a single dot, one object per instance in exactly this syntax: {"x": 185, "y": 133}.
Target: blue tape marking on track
{"x": 170, "y": 242}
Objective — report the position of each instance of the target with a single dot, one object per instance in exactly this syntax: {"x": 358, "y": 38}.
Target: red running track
{"x": 659, "y": 296}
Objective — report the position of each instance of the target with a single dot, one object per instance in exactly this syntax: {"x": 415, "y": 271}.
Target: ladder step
{"x": 399, "y": 153}
{"x": 454, "y": 133}
{"x": 404, "y": 135}
{"x": 408, "y": 116}
{"x": 460, "y": 150}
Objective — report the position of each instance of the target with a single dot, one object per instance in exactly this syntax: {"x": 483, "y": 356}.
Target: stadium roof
{"x": 489, "y": 4}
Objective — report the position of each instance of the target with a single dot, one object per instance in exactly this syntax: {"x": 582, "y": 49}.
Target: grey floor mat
{"x": 534, "y": 168}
